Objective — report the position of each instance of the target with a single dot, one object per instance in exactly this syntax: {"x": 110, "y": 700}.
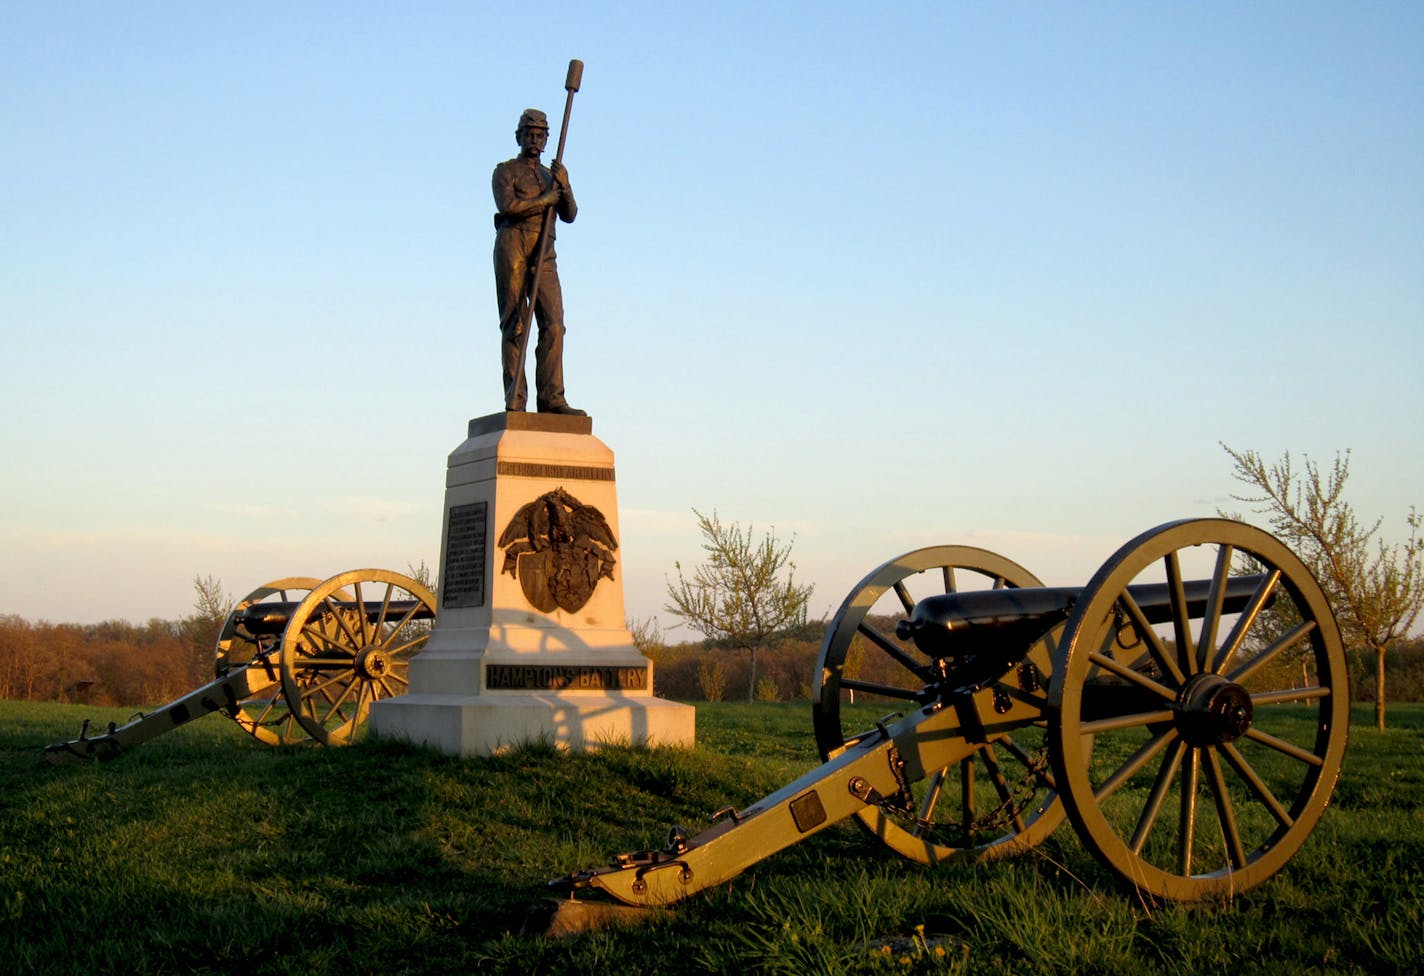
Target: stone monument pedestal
{"x": 530, "y": 642}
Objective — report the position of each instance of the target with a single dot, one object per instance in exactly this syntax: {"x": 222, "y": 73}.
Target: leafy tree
{"x": 712, "y": 679}
{"x": 740, "y": 595}
{"x": 1376, "y": 590}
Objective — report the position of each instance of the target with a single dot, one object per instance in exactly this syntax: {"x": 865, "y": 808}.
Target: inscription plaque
{"x": 462, "y": 584}
{"x": 553, "y": 677}
{"x": 556, "y": 472}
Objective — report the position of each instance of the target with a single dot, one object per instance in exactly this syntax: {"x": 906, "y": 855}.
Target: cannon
{"x": 296, "y": 659}
{"x": 1187, "y": 710}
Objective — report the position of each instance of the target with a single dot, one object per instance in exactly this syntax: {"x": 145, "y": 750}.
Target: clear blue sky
{"x": 880, "y": 276}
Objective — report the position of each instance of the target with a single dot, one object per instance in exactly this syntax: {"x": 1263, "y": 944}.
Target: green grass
{"x": 204, "y": 851}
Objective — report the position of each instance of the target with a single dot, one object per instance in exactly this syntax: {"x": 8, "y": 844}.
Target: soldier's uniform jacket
{"x": 521, "y": 179}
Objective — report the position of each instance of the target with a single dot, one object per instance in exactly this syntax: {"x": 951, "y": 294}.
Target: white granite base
{"x": 489, "y": 724}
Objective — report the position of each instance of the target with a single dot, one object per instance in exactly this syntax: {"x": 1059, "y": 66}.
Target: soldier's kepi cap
{"x": 533, "y": 119}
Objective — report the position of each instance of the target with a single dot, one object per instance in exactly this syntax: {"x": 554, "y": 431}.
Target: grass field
{"x": 205, "y": 851}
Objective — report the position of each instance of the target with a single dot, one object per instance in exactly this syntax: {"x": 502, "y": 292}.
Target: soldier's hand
{"x": 561, "y": 175}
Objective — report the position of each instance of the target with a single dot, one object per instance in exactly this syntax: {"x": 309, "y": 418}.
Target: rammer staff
{"x": 571, "y": 84}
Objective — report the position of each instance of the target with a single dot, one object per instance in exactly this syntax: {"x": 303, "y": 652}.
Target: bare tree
{"x": 422, "y": 574}
{"x": 1377, "y": 590}
{"x": 647, "y": 635}
{"x": 739, "y": 595}
{"x": 211, "y": 606}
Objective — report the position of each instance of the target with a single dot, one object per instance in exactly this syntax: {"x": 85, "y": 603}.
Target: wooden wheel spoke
{"x": 321, "y": 640}
{"x": 1215, "y": 599}
{"x": 317, "y": 638}
{"x": 966, "y": 797}
{"x": 1282, "y": 746}
{"x": 338, "y": 616}
{"x": 261, "y": 716}
{"x": 996, "y": 775}
{"x": 1155, "y": 647}
{"x": 335, "y": 708}
{"x": 1153, "y": 808}
{"x": 401, "y": 650}
{"x": 323, "y": 686}
{"x": 951, "y": 583}
{"x": 1040, "y": 769}
{"x": 357, "y": 706}
{"x": 1134, "y": 764}
{"x": 333, "y": 702}
{"x": 1313, "y": 693}
{"x": 1256, "y": 784}
{"x": 337, "y": 684}
{"x": 887, "y": 646}
{"x": 406, "y": 617}
{"x": 1285, "y": 642}
{"x": 326, "y": 663}
{"x": 388, "y": 683}
{"x": 1181, "y": 616}
{"x": 360, "y": 614}
{"x": 1225, "y": 813}
{"x": 1246, "y": 620}
{"x": 364, "y": 695}
{"x": 1001, "y": 785}
{"x": 1131, "y": 721}
{"x": 927, "y": 805}
{"x": 1128, "y": 674}
{"x": 902, "y": 594}
{"x": 380, "y": 620}
{"x": 889, "y": 691}
{"x": 403, "y": 622}
{"x": 1186, "y": 837}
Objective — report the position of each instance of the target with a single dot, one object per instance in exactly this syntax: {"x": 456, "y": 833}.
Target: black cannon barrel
{"x": 979, "y": 622}
{"x": 272, "y": 618}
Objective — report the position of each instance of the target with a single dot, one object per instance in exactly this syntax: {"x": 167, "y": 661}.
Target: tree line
{"x": 109, "y": 663}
{"x": 114, "y": 662}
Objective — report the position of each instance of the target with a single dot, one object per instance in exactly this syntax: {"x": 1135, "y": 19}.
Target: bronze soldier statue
{"x": 524, "y": 189}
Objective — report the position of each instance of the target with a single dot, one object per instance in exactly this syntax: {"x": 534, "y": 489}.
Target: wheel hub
{"x": 373, "y": 663}
{"x": 1212, "y": 710}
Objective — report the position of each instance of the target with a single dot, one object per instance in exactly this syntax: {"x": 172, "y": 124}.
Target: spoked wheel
{"x": 1195, "y": 756}
{"x": 263, "y": 715}
{"x": 999, "y": 800}
{"x": 339, "y": 653}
